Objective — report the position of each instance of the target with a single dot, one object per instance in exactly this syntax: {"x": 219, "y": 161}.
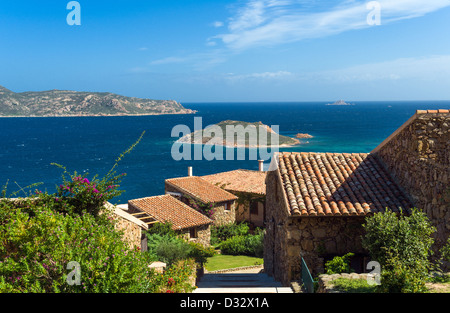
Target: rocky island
{"x": 303, "y": 136}
{"x": 217, "y": 135}
{"x": 340, "y": 102}
{"x": 76, "y": 103}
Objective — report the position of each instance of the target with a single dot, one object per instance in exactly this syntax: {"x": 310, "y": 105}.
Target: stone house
{"x": 250, "y": 188}
{"x": 316, "y": 203}
{"x": 192, "y": 225}
{"x": 132, "y": 227}
{"x": 196, "y": 191}
{"x": 418, "y": 154}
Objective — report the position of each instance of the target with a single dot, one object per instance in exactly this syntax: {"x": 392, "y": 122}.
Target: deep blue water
{"x": 92, "y": 144}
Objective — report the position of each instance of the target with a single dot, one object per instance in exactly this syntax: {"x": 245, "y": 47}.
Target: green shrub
{"x": 402, "y": 246}
{"x": 397, "y": 277}
{"x": 38, "y": 244}
{"x": 166, "y": 248}
{"x": 251, "y": 245}
{"x": 445, "y": 251}
{"x": 255, "y": 245}
{"x": 162, "y": 229}
{"x": 200, "y": 253}
{"x": 339, "y": 264}
{"x": 223, "y": 232}
{"x": 233, "y": 246}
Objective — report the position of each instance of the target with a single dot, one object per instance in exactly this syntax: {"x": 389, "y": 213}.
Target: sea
{"x": 91, "y": 145}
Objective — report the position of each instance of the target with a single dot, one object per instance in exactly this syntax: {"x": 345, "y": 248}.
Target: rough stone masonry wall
{"x": 288, "y": 238}
{"x": 222, "y": 216}
{"x": 203, "y": 235}
{"x": 315, "y": 237}
{"x": 419, "y": 157}
{"x": 276, "y": 261}
{"x": 132, "y": 231}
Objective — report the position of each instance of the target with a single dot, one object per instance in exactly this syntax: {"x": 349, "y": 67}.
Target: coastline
{"x": 99, "y": 115}
{"x": 241, "y": 146}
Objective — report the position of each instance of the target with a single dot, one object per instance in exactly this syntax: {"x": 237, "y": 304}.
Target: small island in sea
{"x": 76, "y": 103}
{"x": 217, "y": 135}
{"x": 340, "y": 102}
{"x": 303, "y": 136}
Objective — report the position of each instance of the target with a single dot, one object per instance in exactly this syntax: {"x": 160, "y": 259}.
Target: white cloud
{"x": 431, "y": 68}
{"x": 271, "y": 22}
{"x": 218, "y": 24}
{"x": 264, "y": 76}
{"x": 168, "y": 60}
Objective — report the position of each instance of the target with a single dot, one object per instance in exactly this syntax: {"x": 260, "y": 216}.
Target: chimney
{"x": 189, "y": 170}
{"x": 261, "y": 165}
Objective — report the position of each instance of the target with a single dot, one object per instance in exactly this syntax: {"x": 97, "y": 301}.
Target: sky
{"x": 230, "y": 51}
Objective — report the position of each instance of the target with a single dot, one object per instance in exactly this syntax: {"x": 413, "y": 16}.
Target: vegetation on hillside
{"x": 242, "y": 134}
{"x": 75, "y": 103}
{"x": 68, "y": 242}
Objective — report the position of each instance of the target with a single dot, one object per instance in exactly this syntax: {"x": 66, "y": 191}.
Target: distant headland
{"x": 76, "y": 103}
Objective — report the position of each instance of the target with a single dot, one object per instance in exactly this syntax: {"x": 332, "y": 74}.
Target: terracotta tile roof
{"x": 240, "y": 181}
{"x": 201, "y": 189}
{"x": 338, "y": 184}
{"x": 166, "y": 208}
{"x": 440, "y": 111}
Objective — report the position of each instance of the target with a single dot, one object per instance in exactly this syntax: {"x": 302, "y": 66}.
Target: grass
{"x": 353, "y": 285}
{"x": 222, "y": 261}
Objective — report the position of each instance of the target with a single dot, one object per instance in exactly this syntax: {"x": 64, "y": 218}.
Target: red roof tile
{"x": 240, "y": 181}
{"x": 201, "y": 189}
{"x": 338, "y": 184}
{"x": 440, "y": 111}
{"x": 166, "y": 208}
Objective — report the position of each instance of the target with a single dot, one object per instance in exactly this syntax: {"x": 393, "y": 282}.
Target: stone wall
{"x": 222, "y": 216}
{"x": 289, "y": 238}
{"x": 315, "y": 238}
{"x": 275, "y": 238}
{"x": 419, "y": 156}
{"x": 132, "y": 231}
{"x": 244, "y": 214}
{"x": 203, "y": 235}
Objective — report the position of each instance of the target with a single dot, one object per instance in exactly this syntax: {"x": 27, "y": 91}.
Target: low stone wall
{"x": 326, "y": 285}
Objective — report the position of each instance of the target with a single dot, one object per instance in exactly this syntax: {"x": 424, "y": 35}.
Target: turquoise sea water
{"x": 91, "y": 144}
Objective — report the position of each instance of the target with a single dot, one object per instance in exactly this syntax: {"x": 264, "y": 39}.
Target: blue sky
{"x": 219, "y": 51}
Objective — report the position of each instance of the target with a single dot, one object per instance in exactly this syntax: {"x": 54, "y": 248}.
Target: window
{"x": 227, "y": 206}
{"x": 193, "y": 232}
{"x": 254, "y": 207}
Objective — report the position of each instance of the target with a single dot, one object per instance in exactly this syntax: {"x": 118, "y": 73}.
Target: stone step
{"x": 237, "y": 284}
{"x": 245, "y": 290}
{"x": 229, "y": 277}
{"x": 241, "y": 280}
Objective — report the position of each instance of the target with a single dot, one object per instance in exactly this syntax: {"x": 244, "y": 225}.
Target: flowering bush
{"x": 38, "y": 244}
{"x": 207, "y": 209}
{"x": 79, "y": 195}
{"x": 176, "y": 278}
